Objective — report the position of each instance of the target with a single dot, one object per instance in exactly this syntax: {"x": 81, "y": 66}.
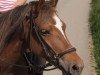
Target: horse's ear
{"x": 54, "y": 3}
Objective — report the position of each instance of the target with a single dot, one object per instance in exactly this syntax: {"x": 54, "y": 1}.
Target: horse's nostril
{"x": 75, "y": 67}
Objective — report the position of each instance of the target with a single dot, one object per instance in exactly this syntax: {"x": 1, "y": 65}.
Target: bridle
{"x": 50, "y": 55}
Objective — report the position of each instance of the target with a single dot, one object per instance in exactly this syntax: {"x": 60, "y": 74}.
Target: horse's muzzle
{"x": 70, "y": 69}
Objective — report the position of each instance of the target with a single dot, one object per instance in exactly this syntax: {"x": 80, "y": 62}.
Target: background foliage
{"x": 95, "y": 30}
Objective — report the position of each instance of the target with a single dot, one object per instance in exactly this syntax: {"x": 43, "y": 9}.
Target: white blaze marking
{"x": 59, "y": 24}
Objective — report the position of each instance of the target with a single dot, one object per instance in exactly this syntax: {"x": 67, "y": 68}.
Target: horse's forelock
{"x": 46, "y": 13}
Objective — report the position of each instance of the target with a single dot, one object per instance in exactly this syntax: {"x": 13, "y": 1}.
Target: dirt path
{"x": 75, "y": 14}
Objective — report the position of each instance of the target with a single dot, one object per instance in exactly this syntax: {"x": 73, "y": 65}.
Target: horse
{"x": 31, "y": 35}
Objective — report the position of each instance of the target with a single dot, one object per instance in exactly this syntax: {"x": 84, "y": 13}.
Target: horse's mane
{"x": 11, "y": 21}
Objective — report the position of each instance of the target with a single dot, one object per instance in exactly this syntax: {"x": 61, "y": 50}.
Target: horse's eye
{"x": 45, "y": 32}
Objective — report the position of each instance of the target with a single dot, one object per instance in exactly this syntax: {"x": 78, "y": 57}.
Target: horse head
{"x": 48, "y": 39}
